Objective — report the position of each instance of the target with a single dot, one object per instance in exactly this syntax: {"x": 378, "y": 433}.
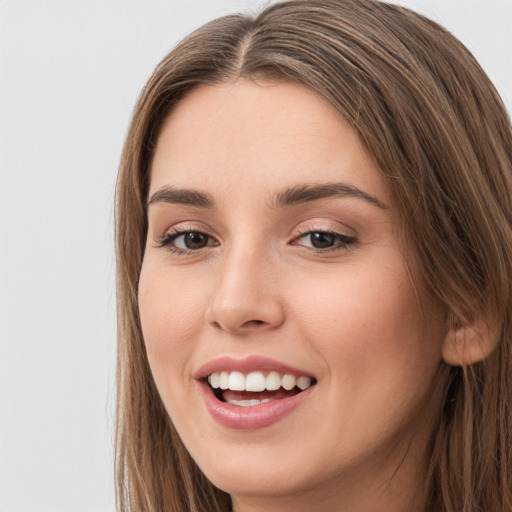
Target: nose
{"x": 246, "y": 297}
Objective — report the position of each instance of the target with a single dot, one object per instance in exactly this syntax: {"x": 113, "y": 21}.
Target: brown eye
{"x": 187, "y": 241}
{"x": 324, "y": 240}
{"x": 194, "y": 240}
{"x": 321, "y": 240}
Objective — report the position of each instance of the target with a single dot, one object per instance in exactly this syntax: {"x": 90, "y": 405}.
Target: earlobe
{"x": 467, "y": 344}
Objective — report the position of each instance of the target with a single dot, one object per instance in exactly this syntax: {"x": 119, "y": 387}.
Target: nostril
{"x": 253, "y": 323}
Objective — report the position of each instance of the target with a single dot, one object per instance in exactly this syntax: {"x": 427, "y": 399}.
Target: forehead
{"x": 266, "y": 133}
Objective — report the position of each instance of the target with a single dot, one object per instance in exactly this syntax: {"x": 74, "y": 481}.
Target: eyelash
{"x": 343, "y": 242}
{"x": 167, "y": 240}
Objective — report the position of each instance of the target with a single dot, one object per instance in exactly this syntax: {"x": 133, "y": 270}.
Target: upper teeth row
{"x": 257, "y": 381}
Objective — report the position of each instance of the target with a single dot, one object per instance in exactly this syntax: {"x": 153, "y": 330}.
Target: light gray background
{"x": 70, "y": 72}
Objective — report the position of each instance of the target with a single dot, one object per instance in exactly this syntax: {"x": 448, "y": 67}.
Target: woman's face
{"x": 273, "y": 261}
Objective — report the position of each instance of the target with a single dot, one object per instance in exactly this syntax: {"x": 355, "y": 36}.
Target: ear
{"x": 466, "y": 344}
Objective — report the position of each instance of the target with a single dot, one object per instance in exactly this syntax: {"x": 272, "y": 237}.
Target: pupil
{"x": 195, "y": 240}
{"x": 322, "y": 240}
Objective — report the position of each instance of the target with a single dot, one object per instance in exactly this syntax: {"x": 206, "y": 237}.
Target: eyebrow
{"x": 168, "y": 194}
{"x": 306, "y": 193}
{"x": 291, "y": 196}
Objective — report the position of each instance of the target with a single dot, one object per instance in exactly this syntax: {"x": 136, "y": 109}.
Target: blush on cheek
{"x": 167, "y": 330}
{"x": 171, "y": 316}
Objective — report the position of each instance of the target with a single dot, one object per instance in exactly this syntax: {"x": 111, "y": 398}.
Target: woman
{"x": 314, "y": 269}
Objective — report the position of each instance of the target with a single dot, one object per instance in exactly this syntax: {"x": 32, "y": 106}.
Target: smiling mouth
{"x": 256, "y": 388}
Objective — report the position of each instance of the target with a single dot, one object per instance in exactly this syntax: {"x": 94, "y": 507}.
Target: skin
{"x": 348, "y": 315}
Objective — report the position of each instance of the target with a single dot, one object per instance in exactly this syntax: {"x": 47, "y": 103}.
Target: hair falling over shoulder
{"x": 440, "y": 134}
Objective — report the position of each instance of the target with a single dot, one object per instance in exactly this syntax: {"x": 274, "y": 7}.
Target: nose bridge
{"x": 246, "y": 294}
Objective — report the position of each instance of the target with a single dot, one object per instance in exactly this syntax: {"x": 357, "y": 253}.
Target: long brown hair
{"x": 440, "y": 134}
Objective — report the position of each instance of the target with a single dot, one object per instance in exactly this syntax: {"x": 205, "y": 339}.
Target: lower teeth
{"x": 244, "y": 399}
{"x": 248, "y": 403}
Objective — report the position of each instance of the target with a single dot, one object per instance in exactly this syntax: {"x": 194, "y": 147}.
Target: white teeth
{"x": 273, "y": 381}
{"x": 241, "y": 403}
{"x": 236, "y": 381}
{"x": 214, "y": 380}
{"x": 248, "y": 403}
{"x": 303, "y": 382}
{"x": 256, "y": 381}
{"x": 288, "y": 382}
{"x": 223, "y": 380}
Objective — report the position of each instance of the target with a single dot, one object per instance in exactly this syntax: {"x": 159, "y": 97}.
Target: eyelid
{"x": 322, "y": 227}
{"x": 184, "y": 227}
{"x": 345, "y": 241}
{"x": 170, "y": 234}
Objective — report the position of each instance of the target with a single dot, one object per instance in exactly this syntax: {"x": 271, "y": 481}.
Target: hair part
{"x": 439, "y": 132}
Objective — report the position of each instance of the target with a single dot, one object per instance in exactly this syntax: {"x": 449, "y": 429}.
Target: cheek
{"x": 170, "y": 314}
{"x": 368, "y": 323}
{"x": 380, "y": 359}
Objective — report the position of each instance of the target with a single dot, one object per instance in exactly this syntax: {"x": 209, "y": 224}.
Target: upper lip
{"x": 247, "y": 365}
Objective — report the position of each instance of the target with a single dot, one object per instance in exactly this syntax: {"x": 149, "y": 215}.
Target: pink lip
{"x": 246, "y": 365}
{"x": 258, "y": 416}
{"x": 250, "y": 418}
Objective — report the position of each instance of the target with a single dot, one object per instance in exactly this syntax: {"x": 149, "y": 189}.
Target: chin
{"x": 256, "y": 481}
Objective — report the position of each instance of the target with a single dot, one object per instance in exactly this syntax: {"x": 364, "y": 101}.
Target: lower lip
{"x": 253, "y": 417}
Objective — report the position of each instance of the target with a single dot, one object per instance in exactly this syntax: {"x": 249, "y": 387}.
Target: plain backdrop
{"x": 70, "y": 72}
